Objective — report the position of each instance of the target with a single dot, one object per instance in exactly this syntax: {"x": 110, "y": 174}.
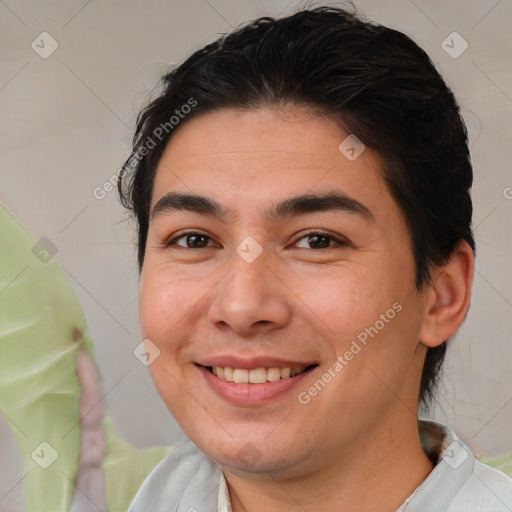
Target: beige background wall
{"x": 66, "y": 125}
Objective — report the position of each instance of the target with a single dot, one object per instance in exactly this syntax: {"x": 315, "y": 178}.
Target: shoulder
{"x": 459, "y": 482}
{"x": 182, "y": 478}
{"x": 486, "y": 490}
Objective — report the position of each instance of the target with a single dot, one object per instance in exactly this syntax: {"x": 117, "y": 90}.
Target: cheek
{"x": 162, "y": 305}
{"x": 163, "y": 300}
{"x": 154, "y": 296}
{"x": 360, "y": 302}
{"x": 340, "y": 301}
{"x": 171, "y": 307}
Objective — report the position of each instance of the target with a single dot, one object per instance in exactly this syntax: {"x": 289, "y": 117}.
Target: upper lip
{"x": 252, "y": 363}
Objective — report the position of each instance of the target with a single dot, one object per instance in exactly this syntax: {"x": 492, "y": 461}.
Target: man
{"x": 301, "y": 189}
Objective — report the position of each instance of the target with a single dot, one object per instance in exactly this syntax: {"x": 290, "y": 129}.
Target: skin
{"x": 357, "y": 439}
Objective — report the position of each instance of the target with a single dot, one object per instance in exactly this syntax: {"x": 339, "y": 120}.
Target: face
{"x": 312, "y": 300}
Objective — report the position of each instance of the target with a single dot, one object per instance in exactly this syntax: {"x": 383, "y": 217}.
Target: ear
{"x": 447, "y": 299}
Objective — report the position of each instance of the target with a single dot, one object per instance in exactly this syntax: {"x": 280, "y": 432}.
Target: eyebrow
{"x": 292, "y": 206}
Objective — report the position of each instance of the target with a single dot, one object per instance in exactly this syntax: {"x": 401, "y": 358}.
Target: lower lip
{"x": 252, "y": 394}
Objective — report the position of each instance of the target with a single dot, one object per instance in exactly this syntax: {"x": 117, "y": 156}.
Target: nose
{"x": 251, "y": 299}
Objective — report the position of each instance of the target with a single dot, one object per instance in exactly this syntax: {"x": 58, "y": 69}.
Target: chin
{"x": 253, "y": 457}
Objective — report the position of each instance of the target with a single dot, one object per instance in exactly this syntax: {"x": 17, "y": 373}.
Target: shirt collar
{"x": 438, "y": 442}
{"x": 224, "y": 502}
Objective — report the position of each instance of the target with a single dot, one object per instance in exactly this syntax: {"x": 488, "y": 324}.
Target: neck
{"x": 376, "y": 473}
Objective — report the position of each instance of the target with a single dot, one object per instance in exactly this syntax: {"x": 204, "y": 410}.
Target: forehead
{"x": 237, "y": 156}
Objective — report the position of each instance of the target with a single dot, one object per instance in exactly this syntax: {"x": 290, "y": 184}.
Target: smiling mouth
{"x": 257, "y": 375}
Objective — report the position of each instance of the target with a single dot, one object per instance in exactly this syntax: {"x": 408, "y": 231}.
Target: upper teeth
{"x": 256, "y": 376}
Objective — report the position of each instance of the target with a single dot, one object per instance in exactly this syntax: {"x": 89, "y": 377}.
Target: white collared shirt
{"x": 186, "y": 480}
{"x": 459, "y": 482}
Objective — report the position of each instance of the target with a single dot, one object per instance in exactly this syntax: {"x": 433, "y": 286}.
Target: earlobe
{"x": 447, "y": 300}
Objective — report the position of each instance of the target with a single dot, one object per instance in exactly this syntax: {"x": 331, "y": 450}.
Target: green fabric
{"x": 40, "y": 325}
{"x": 126, "y": 468}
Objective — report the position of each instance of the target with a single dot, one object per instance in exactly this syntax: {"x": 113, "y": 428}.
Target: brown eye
{"x": 196, "y": 241}
{"x": 320, "y": 241}
{"x": 192, "y": 241}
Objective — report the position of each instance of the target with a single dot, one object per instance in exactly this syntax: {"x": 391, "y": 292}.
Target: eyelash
{"x": 339, "y": 243}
